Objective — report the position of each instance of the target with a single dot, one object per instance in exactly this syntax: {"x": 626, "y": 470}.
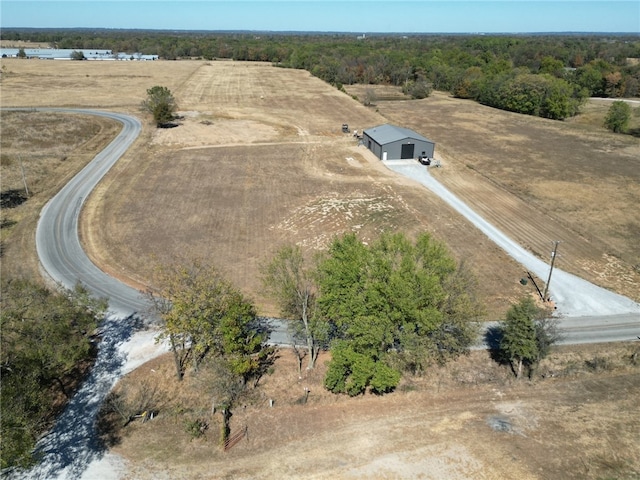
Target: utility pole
{"x": 553, "y": 260}
{"x": 24, "y": 178}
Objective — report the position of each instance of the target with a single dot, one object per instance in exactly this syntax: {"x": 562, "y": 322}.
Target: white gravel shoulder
{"x": 71, "y": 451}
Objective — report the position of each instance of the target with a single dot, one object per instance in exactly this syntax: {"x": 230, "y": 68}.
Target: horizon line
{"x": 328, "y": 32}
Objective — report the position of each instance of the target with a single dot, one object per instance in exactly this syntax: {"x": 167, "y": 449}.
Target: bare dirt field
{"x": 259, "y": 160}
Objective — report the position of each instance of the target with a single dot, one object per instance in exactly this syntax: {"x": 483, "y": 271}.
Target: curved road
{"x": 57, "y": 240}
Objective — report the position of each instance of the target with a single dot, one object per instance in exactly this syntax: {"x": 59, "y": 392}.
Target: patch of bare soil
{"x": 468, "y": 420}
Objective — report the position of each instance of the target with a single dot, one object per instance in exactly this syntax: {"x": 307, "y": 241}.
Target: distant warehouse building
{"x": 66, "y": 54}
{"x": 389, "y": 142}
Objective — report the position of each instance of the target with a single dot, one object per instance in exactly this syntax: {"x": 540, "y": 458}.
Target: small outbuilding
{"x": 389, "y": 142}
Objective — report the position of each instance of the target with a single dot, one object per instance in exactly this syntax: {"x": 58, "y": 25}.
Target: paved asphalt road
{"x": 595, "y": 316}
{"x": 57, "y": 240}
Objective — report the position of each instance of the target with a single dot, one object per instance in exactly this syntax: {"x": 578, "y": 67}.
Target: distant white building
{"x": 65, "y": 54}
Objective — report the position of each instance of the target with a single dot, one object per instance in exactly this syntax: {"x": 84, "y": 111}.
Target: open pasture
{"x": 259, "y": 160}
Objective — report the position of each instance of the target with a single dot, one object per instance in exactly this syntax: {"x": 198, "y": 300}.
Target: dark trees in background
{"x": 590, "y": 65}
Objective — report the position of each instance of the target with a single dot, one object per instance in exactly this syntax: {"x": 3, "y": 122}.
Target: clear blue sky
{"x": 363, "y": 16}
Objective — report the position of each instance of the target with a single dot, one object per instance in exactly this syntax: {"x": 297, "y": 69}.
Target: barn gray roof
{"x": 387, "y": 133}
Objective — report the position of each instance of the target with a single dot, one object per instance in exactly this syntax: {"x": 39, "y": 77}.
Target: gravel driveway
{"x": 573, "y": 296}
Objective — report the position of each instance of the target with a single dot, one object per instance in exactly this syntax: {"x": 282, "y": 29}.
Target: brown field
{"x": 259, "y": 160}
{"x": 296, "y": 178}
{"x": 469, "y": 420}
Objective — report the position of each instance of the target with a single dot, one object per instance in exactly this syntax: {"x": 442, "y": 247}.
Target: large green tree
{"x": 204, "y": 314}
{"x": 618, "y": 117}
{"x": 396, "y": 307}
{"x": 45, "y": 336}
{"x": 161, "y": 104}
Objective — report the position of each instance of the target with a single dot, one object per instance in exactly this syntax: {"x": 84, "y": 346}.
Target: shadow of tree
{"x": 634, "y": 132}
{"x": 492, "y": 338}
{"x": 73, "y": 443}
{"x": 12, "y": 198}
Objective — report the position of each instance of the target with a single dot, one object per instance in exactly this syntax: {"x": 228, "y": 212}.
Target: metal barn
{"x": 389, "y": 142}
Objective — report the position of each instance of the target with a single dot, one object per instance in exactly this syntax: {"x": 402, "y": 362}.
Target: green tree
{"x": 618, "y": 117}
{"x": 591, "y": 78}
{"x": 291, "y": 283}
{"x": 467, "y": 85}
{"x": 417, "y": 89}
{"x": 161, "y": 104}
{"x": 21, "y": 53}
{"x": 518, "y": 343}
{"x": 77, "y": 55}
{"x": 552, "y": 66}
{"x": 45, "y": 335}
{"x": 203, "y": 314}
{"x": 396, "y": 306}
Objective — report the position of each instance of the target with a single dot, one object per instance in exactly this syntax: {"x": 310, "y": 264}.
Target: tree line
{"x": 385, "y": 310}
{"x": 545, "y": 75}
{"x": 46, "y": 337}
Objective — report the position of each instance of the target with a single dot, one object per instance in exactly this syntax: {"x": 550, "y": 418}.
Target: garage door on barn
{"x": 407, "y": 151}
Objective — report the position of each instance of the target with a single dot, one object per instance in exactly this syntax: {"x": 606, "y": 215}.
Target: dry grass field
{"x": 49, "y": 148}
{"x": 466, "y": 421}
{"x": 259, "y": 160}
{"x": 540, "y": 180}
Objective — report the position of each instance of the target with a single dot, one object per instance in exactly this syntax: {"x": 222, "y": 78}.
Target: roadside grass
{"x": 594, "y": 112}
{"x": 44, "y": 150}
